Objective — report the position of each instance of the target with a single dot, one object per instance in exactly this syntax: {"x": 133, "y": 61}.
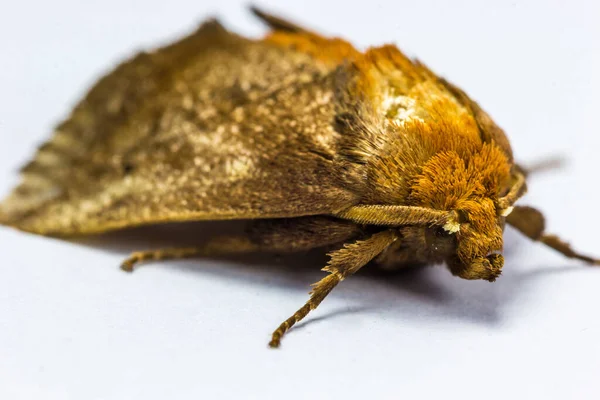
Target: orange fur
{"x": 331, "y": 51}
{"x": 435, "y": 157}
{"x": 423, "y": 146}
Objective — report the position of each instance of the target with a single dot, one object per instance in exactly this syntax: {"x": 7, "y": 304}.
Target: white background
{"x": 72, "y": 326}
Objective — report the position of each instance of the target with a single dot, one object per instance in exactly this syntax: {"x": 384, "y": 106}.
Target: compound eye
{"x": 441, "y": 232}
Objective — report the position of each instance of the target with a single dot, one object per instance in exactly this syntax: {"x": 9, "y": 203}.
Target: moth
{"x": 315, "y": 143}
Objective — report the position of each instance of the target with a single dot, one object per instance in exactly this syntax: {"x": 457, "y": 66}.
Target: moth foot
{"x": 275, "y": 343}
{"x": 131, "y": 261}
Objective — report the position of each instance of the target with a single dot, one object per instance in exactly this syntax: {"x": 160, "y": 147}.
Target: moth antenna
{"x": 518, "y": 189}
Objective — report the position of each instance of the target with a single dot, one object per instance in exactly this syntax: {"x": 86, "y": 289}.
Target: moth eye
{"x": 462, "y": 217}
{"x": 441, "y": 232}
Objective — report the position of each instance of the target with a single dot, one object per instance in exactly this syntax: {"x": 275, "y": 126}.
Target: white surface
{"x": 72, "y": 326}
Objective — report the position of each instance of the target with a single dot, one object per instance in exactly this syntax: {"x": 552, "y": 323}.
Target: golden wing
{"x": 213, "y": 127}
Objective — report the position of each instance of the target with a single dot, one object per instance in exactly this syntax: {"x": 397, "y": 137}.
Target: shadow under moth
{"x": 316, "y": 144}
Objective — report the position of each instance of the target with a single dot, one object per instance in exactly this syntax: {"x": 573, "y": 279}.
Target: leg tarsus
{"x": 287, "y": 324}
{"x": 215, "y": 247}
{"x": 320, "y": 291}
{"x": 557, "y": 244}
{"x": 161, "y": 254}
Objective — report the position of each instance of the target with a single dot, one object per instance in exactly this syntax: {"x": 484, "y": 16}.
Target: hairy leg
{"x": 278, "y": 235}
{"x": 531, "y": 223}
{"x": 214, "y": 247}
{"x": 343, "y": 263}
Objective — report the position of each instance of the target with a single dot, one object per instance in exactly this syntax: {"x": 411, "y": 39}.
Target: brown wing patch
{"x": 212, "y": 127}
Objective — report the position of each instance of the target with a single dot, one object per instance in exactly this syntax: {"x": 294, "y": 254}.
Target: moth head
{"x": 478, "y": 242}
{"x": 478, "y": 226}
{"x": 478, "y": 191}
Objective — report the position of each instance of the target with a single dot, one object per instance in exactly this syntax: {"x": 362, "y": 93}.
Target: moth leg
{"x": 280, "y": 235}
{"x": 531, "y": 223}
{"x": 221, "y": 245}
{"x": 343, "y": 263}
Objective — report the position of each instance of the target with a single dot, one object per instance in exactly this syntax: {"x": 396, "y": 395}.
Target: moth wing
{"x": 213, "y": 127}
